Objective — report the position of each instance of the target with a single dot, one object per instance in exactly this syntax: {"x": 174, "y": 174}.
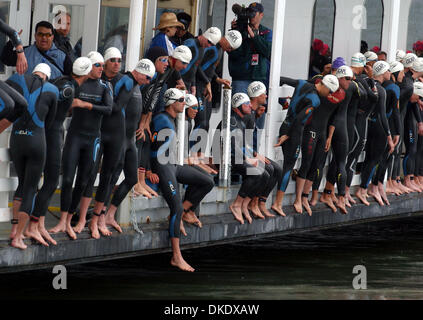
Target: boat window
{"x": 4, "y": 15}
{"x": 371, "y": 32}
{"x": 415, "y": 25}
{"x": 322, "y": 35}
{"x": 113, "y": 28}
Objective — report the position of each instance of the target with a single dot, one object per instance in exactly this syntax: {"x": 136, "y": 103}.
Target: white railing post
{"x": 225, "y": 162}
{"x": 390, "y": 34}
{"x": 134, "y": 34}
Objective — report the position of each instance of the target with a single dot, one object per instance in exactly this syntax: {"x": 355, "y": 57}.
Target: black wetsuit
{"x": 361, "y": 124}
{"x": 83, "y": 141}
{"x": 28, "y": 140}
{"x": 170, "y": 175}
{"x": 394, "y": 119}
{"x": 8, "y": 97}
{"x": 212, "y": 57}
{"x": 412, "y": 116}
{"x": 11, "y": 33}
{"x": 54, "y": 138}
{"x": 129, "y": 157}
{"x": 190, "y": 72}
{"x": 377, "y": 137}
{"x": 341, "y": 138}
{"x": 304, "y": 100}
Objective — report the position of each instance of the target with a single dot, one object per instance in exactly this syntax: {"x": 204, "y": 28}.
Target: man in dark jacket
{"x": 62, "y": 25}
{"x": 251, "y": 61}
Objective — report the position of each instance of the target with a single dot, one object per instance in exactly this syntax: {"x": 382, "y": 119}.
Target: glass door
{"x": 84, "y": 20}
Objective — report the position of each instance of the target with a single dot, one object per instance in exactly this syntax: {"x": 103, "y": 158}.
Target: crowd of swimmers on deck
{"x": 126, "y": 121}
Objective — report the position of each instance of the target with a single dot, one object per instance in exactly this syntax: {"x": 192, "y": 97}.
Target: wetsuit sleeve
{"x": 288, "y": 81}
{"x": 396, "y": 117}
{"x": 20, "y": 107}
{"x": 16, "y": 97}
{"x": 11, "y": 33}
{"x": 371, "y": 94}
{"x": 236, "y": 148}
{"x": 107, "y": 106}
{"x": 381, "y": 110}
{"x": 51, "y": 110}
{"x": 405, "y": 90}
{"x": 263, "y": 44}
{"x": 202, "y": 75}
{"x": 8, "y": 55}
{"x": 6, "y": 103}
{"x": 416, "y": 111}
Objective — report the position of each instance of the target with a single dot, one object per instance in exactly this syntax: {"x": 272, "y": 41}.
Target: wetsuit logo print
{"x": 23, "y": 133}
{"x": 172, "y": 188}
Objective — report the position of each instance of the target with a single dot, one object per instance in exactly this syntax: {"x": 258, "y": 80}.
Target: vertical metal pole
{"x": 224, "y": 172}
{"x": 181, "y": 137}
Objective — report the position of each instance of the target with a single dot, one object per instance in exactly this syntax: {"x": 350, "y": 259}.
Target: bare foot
{"x": 341, "y": 204}
{"x": 246, "y": 215}
{"x": 35, "y": 234}
{"x": 298, "y": 206}
{"x": 140, "y": 191}
{"x": 13, "y": 232}
{"x": 327, "y": 199}
{"x": 70, "y": 232}
{"x": 190, "y": 217}
{"x": 278, "y": 210}
{"x": 374, "y": 192}
{"x": 314, "y": 197}
{"x": 263, "y": 209}
{"x": 362, "y": 197}
{"x": 334, "y": 198}
{"x": 182, "y": 228}
{"x": 350, "y": 198}
{"x": 80, "y": 226}
{"x": 94, "y": 230}
{"x": 151, "y": 191}
{"x": 256, "y": 212}
{"x": 18, "y": 243}
{"x": 104, "y": 231}
{"x": 60, "y": 227}
{"x": 236, "y": 211}
{"x": 383, "y": 194}
{"x": 46, "y": 236}
{"x": 347, "y": 203}
{"x": 114, "y": 224}
{"x": 306, "y": 205}
{"x": 181, "y": 264}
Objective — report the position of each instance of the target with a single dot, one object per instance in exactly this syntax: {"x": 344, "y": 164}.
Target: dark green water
{"x": 315, "y": 265}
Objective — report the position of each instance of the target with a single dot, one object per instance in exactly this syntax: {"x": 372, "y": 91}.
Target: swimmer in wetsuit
{"x": 28, "y": 144}
{"x": 21, "y": 63}
{"x": 170, "y": 174}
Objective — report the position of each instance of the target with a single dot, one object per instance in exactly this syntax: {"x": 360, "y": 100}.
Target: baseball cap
{"x": 213, "y": 34}
{"x": 43, "y": 68}
{"x": 331, "y": 82}
{"x": 234, "y": 38}
{"x": 370, "y": 56}
{"x": 112, "y": 52}
{"x": 418, "y": 88}
{"x": 145, "y": 66}
{"x": 380, "y": 67}
{"x": 82, "y": 66}
{"x": 95, "y": 57}
{"x": 256, "y": 88}
{"x": 182, "y": 53}
{"x": 239, "y": 99}
{"x": 171, "y": 95}
{"x": 256, "y": 6}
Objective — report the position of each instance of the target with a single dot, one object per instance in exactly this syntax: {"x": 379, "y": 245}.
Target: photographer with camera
{"x": 250, "y": 62}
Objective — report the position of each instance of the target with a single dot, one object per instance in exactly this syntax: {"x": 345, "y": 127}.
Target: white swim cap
{"x": 172, "y": 95}
{"x": 418, "y": 65}
{"x": 409, "y": 60}
{"x": 256, "y": 88}
{"x": 82, "y": 66}
{"x": 190, "y": 100}
{"x": 234, "y": 38}
{"x": 358, "y": 60}
{"x": 400, "y": 55}
{"x": 43, "y": 68}
{"x": 418, "y": 88}
{"x": 182, "y": 53}
{"x": 396, "y": 66}
{"x": 343, "y": 72}
{"x": 95, "y": 57}
{"x": 213, "y": 34}
{"x": 145, "y": 66}
{"x": 239, "y": 99}
{"x": 331, "y": 82}
{"x": 112, "y": 52}
{"x": 370, "y": 56}
{"x": 380, "y": 67}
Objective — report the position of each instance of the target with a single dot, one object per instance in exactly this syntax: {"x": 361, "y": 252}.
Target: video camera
{"x": 243, "y": 16}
